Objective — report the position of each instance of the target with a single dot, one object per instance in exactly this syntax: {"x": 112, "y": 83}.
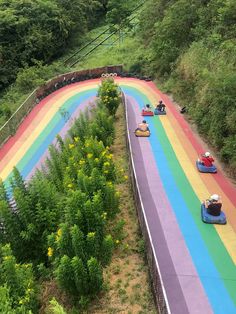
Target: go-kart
{"x": 140, "y": 133}
{"x": 147, "y": 113}
{"x": 159, "y": 112}
{"x": 202, "y": 168}
{"x": 210, "y": 219}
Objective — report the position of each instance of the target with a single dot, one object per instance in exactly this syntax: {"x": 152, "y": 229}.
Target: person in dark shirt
{"x": 213, "y": 205}
{"x": 161, "y": 106}
{"x": 207, "y": 160}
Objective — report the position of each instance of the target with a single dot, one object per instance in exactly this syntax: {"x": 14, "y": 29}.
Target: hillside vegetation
{"x": 39, "y": 30}
{"x": 191, "y": 47}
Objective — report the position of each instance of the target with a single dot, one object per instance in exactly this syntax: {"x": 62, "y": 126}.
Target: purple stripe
{"x": 183, "y": 287}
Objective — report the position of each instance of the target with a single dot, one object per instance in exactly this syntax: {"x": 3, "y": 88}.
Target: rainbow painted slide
{"x": 196, "y": 260}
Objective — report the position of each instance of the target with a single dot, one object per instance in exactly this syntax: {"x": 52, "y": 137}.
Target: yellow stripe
{"x": 54, "y": 107}
{"x": 225, "y": 232}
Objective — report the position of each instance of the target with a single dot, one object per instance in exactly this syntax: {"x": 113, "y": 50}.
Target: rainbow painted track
{"x": 197, "y": 261}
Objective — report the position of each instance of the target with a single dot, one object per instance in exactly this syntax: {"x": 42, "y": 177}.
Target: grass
{"x": 117, "y": 54}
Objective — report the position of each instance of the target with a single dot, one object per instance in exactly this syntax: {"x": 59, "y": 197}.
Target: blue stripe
{"x": 32, "y": 156}
{"x": 208, "y": 274}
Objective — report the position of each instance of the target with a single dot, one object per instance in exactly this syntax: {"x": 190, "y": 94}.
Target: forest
{"x": 32, "y": 31}
{"x": 187, "y": 46}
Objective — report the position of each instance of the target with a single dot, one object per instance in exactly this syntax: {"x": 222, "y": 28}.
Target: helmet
{"x": 215, "y": 197}
{"x": 207, "y": 154}
{"x": 147, "y": 105}
{"x": 144, "y": 121}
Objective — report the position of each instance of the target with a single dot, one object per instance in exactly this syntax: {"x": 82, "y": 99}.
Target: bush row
{"x": 57, "y": 223}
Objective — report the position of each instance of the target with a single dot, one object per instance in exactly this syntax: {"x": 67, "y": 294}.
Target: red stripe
{"x": 22, "y": 128}
{"x": 222, "y": 181}
{"x": 32, "y": 115}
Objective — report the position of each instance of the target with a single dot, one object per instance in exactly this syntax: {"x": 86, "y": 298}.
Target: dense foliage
{"x": 40, "y": 30}
{"x": 59, "y": 220}
{"x": 191, "y": 44}
{"x": 18, "y": 291}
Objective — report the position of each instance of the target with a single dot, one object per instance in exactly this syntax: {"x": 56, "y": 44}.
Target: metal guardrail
{"x": 10, "y": 127}
{"x": 159, "y": 292}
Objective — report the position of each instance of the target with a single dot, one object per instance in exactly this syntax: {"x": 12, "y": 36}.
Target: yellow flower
{"x": 71, "y": 146}
{"x": 70, "y": 185}
{"x": 89, "y": 155}
{"x": 91, "y": 234}
{"x": 50, "y": 251}
{"x": 105, "y": 171}
{"x": 96, "y": 160}
{"x": 59, "y": 233}
{"x": 81, "y": 162}
{"x": 103, "y": 153}
{"x": 126, "y": 177}
{"x": 106, "y": 163}
{"x": 104, "y": 215}
{"x": 117, "y": 193}
{"x": 117, "y": 241}
{"x": 76, "y": 139}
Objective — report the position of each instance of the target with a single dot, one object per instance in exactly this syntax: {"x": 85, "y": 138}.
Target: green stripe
{"x": 44, "y": 133}
{"x": 215, "y": 246}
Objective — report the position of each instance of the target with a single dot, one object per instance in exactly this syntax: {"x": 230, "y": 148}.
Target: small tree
{"x": 95, "y": 275}
{"x": 109, "y": 95}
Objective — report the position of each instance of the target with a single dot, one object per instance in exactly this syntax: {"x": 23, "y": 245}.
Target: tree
{"x": 118, "y": 11}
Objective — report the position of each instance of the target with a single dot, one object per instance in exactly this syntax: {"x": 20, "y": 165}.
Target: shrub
{"x": 20, "y": 288}
{"x": 109, "y": 95}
